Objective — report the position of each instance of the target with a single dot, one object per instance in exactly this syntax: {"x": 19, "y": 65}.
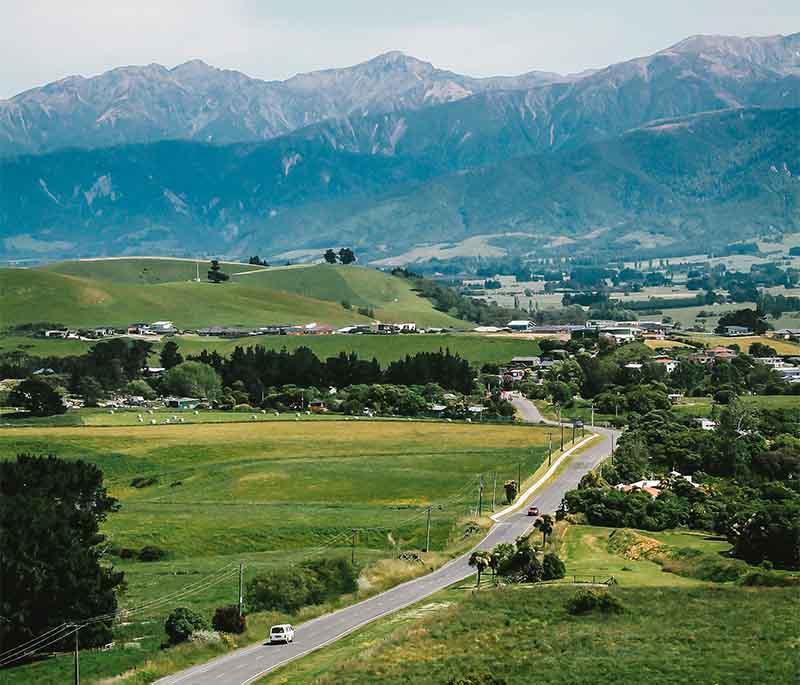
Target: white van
{"x": 281, "y": 633}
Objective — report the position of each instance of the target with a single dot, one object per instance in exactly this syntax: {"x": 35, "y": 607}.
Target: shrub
{"x": 312, "y": 583}
{"x": 181, "y": 623}
{"x": 143, "y": 481}
{"x": 227, "y": 620}
{"x": 587, "y": 601}
{"x": 552, "y": 567}
{"x": 282, "y": 590}
{"x": 510, "y": 487}
{"x": 152, "y": 553}
{"x": 766, "y": 578}
{"x": 205, "y": 637}
{"x": 334, "y": 577}
{"x": 127, "y": 553}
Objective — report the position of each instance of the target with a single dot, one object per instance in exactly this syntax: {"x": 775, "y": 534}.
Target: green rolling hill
{"x": 120, "y": 291}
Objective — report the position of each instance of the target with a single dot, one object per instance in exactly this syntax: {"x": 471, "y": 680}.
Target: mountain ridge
{"x": 196, "y": 101}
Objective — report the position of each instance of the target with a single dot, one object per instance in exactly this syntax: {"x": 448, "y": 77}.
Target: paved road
{"x": 246, "y": 665}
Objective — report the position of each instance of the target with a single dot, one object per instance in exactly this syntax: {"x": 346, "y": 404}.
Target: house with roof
{"x": 668, "y": 363}
{"x": 162, "y": 328}
{"x": 733, "y": 331}
{"x": 521, "y": 326}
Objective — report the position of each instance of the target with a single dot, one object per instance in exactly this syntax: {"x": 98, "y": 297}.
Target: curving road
{"x": 248, "y": 664}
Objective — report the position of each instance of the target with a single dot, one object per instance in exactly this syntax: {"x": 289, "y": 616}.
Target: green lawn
{"x": 270, "y": 493}
{"x": 673, "y": 630}
{"x": 478, "y": 349}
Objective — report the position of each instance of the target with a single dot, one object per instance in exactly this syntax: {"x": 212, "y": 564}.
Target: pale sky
{"x": 45, "y": 40}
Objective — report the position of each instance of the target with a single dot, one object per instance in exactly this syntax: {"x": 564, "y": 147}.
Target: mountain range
{"x": 403, "y": 160}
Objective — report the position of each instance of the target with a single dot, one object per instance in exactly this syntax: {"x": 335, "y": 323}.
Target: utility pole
{"x": 480, "y": 498}
{"x": 549, "y": 449}
{"x": 494, "y": 489}
{"x": 353, "y": 549}
{"x": 562, "y": 430}
{"x": 519, "y": 479}
{"x": 592, "y": 414}
{"x": 573, "y": 432}
{"x": 241, "y": 588}
{"x": 428, "y": 532}
{"x": 77, "y": 657}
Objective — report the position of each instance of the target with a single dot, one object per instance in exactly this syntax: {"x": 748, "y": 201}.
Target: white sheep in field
{"x": 196, "y": 412}
{"x": 140, "y": 419}
{"x": 152, "y": 422}
{"x": 277, "y": 414}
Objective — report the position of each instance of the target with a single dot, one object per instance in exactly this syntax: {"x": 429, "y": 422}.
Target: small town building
{"x": 162, "y": 328}
{"x": 706, "y": 424}
{"x": 732, "y": 331}
{"x": 183, "y": 402}
{"x": 521, "y": 326}
{"x": 668, "y": 363}
{"x": 526, "y": 362}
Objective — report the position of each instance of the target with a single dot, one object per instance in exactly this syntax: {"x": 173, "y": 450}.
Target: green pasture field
{"x": 122, "y": 291}
{"x": 782, "y": 347}
{"x": 476, "y": 348}
{"x": 142, "y": 270}
{"x": 270, "y": 493}
{"x": 701, "y": 406}
{"x": 673, "y": 630}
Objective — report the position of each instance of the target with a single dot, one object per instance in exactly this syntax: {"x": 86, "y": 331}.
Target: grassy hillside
{"x": 120, "y": 291}
{"x": 391, "y": 298}
{"x": 141, "y": 270}
{"x": 269, "y": 493}
{"x": 31, "y": 295}
{"x": 673, "y": 630}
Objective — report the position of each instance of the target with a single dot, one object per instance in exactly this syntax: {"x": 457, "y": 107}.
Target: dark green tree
{"x": 481, "y": 560}
{"x": 330, "y": 256}
{"x": 552, "y": 567}
{"x": 544, "y": 524}
{"x": 38, "y": 397}
{"x": 170, "y": 355}
{"x": 50, "y": 571}
{"x": 181, "y": 623}
{"x": 90, "y": 389}
{"x": 346, "y": 256}
{"x": 216, "y": 274}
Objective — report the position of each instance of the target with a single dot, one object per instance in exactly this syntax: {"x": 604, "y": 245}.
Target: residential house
{"x": 521, "y": 326}
{"x": 706, "y": 424}
{"x": 733, "y": 331}
{"x": 790, "y": 374}
{"x": 183, "y": 402}
{"x": 162, "y": 328}
{"x": 668, "y": 363}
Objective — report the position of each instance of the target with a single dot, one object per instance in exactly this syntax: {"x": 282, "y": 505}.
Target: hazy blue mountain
{"x": 700, "y": 74}
{"x": 198, "y": 102}
{"x": 702, "y": 180}
{"x": 396, "y": 104}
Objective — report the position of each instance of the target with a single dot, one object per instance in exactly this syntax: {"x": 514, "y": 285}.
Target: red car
{"x": 533, "y": 511}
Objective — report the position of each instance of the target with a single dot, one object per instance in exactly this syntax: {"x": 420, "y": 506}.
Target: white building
{"x": 162, "y": 327}
{"x": 521, "y": 326}
{"x": 706, "y": 424}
